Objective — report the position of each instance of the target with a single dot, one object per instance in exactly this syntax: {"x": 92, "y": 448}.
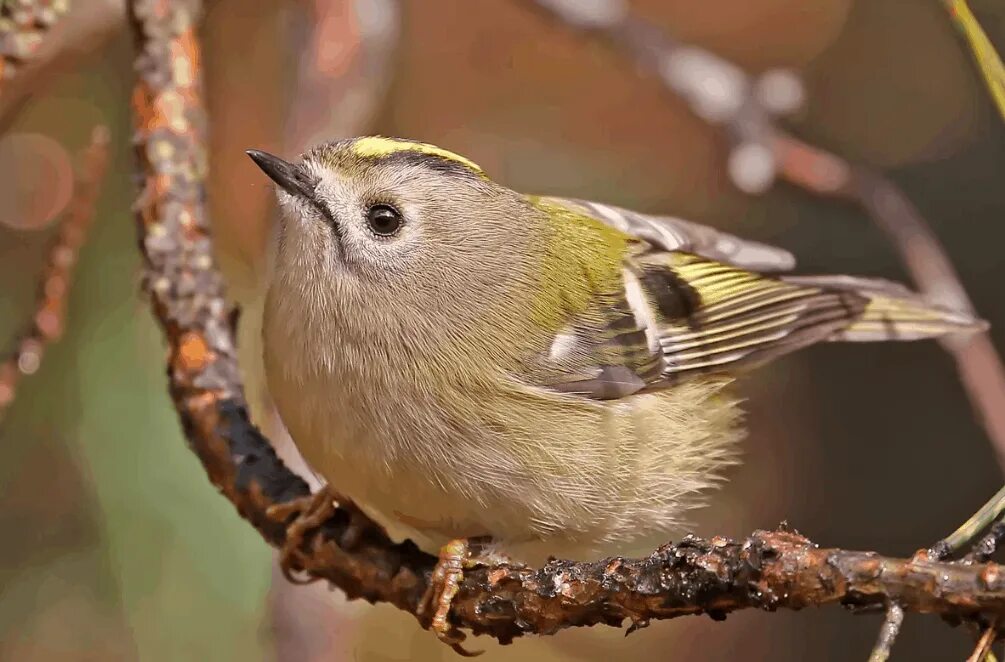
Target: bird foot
{"x": 310, "y": 512}
{"x": 455, "y": 557}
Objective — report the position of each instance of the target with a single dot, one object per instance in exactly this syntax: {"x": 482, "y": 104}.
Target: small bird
{"x": 464, "y": 361}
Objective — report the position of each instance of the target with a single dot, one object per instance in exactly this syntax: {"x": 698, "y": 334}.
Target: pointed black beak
{"x": 289, "y": 177}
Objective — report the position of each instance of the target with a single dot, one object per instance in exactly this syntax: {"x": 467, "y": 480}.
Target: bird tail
{"x": 892, "y": 311}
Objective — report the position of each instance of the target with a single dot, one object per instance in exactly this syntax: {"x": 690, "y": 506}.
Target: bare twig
{"x": 970, "y": 529}
{"x": 344, "y": 71}
{"x": 978, "y": 363}
{"x": 48, "y": 320}
{"x": 717, "y": 90}
{"x": 984, "y": 644}
{"x": 887, "y": 633}
{"x": 988, "y": 60}
{"x": 23, "y": 24}
{"x": 746, "y": 107}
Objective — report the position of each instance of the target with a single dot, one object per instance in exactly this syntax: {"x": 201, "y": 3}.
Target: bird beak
{"x": 289, "y": 177}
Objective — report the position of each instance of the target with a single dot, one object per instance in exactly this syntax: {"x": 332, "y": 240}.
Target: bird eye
{"x": 384, "y": 220}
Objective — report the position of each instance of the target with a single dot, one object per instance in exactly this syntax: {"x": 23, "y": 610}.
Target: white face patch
{"x": 347, "y": 197}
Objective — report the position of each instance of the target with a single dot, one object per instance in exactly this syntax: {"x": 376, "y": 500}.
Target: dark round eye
{"x": 384, "y": 220}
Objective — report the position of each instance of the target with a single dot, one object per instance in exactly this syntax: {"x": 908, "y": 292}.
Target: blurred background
{"x": 116, "y": 547}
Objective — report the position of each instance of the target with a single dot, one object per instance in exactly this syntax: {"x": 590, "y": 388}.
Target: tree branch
{"x": 747, "y": 107}
{"x": 48, "y": 318}
{"x": 37, "y": 49}
{"x": 770, "y": 570}
{"x": 23, "y": 24}
{"x": 888, "y": 633}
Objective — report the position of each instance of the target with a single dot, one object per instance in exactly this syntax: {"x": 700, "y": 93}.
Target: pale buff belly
{"x": 398, "y": 467}
{"x": 538, "y": 475}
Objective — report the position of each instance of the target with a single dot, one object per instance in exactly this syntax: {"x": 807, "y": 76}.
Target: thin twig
{"x": 717, "y": 90}
{"x": 977, "y": 361}
{"x": 988, "y": 545}
{"x": 48, "y": 319}
{"x": 723, "y": 94}
{"x": 887, "y": 633}
{"x": 23, "y": 24}
{"x": 970, "y": 529}
{"x": 984, "y": 644}
{"x": 988, "y": 60}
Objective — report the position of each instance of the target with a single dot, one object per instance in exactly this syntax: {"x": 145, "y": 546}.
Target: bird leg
{"x": 311, "y": 511}
{"x": 456, "y": 556}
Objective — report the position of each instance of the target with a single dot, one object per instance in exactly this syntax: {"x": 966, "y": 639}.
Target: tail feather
{"x": 893, "y": 312}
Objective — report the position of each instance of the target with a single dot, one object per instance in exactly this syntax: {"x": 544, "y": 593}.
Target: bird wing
{"x": 675, "y": 234}
{"x": 683, "y": 313}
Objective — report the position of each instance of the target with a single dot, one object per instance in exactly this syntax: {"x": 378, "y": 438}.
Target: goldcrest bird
{"x": 462, "y": 360}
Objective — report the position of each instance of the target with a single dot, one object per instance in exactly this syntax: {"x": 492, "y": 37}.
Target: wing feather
{"x": 697, "y": 301}
{"x": 669, "y": 233}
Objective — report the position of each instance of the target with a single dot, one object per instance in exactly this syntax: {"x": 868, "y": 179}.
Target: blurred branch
{"x": 723, "y": 94}
{"x": 48, "y": 320}
{"x": 769, "y": 570}
{"x": 344, "y": 70}
{"x": 23, "y": 24}
{"x": 343, "y": 74}
{"x": 717, "y": 90}
{"x": 35, "y": 53}
{"x": 747, "y": 107}
{"x": 977, "y": 361}
{"x": 988, "y": 61}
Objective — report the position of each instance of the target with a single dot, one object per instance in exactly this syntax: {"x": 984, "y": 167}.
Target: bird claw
{"x": 311, "y": 511}
{"x": 455, "y": 556}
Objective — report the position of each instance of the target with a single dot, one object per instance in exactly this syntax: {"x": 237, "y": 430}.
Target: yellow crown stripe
{"x": 378, "y": 146}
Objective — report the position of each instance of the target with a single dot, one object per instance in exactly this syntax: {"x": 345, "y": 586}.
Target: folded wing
{"x": 698, "y": 301}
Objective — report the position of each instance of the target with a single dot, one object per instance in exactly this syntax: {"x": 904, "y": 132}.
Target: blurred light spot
{"x": 780, "y": 91}
{"x": 756, "y": 34}
{"x": 589, "y": 13}
{"x": 752, "y": 167}
{"x": 36, "y": 180}
{"x": 376, "y": 18}
{"x": 336, "y": 38}
{"x": 30, "y": 357}
{"x": 715, "y": 88}
{"x": 49, "y": 320}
